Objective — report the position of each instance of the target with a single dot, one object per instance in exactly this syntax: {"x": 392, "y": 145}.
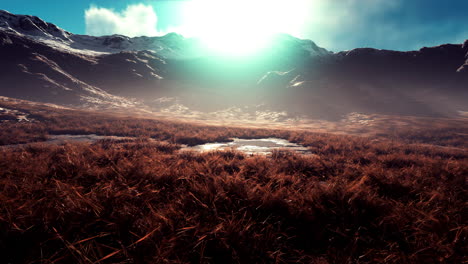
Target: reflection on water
{"x": 262, "y": 146}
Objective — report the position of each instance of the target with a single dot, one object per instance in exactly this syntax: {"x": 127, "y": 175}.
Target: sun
{"x": 241, "y": 27}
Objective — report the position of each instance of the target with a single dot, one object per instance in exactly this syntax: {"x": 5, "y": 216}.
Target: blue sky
{"x": 333, "y": 24}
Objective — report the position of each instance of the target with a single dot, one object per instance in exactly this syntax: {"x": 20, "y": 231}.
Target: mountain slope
{"x": 42, "y": 62}
{"x": 431, "y": 81}
{"x": 29, "y": 71}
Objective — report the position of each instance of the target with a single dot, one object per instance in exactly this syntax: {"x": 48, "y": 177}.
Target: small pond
{"x": 262, "y": 146}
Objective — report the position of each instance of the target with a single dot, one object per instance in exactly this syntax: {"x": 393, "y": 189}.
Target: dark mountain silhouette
{"x": 41, "y": 62}
{"x": 431, "y": 81}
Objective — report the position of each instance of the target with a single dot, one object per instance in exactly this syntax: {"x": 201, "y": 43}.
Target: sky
{"x": 333, "y": 24}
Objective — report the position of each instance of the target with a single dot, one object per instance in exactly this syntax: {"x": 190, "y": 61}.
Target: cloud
{"x": 135, "y": 20}
{"x": 402, "y": 25}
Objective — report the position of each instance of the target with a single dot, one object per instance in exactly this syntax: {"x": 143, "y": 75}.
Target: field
{"x": 390, "y": 196}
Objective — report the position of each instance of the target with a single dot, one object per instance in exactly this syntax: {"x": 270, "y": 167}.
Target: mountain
{"x": 429, "y": 82}
{"x": 34, "y": 28}
{"x": 42, "y": 62}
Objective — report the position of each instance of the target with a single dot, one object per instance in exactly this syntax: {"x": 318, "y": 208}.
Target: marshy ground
{"x": 388, "y": 197}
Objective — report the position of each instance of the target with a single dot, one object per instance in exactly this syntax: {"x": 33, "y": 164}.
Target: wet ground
{"x": 61, "y": 139}
{"x": 262, "y": 146}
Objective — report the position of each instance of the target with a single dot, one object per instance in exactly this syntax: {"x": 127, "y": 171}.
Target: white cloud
{"x": 135, "y": 20}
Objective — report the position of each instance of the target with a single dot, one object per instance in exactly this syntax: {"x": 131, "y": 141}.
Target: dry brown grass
{"x": 452, "y": 133}
{"x": 140, "y": 201}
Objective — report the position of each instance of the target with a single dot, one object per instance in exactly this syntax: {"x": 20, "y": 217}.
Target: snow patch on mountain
{"x": 32, "y": 25}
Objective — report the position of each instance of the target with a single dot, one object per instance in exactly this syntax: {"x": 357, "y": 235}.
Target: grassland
{"x": 381, "y": 199}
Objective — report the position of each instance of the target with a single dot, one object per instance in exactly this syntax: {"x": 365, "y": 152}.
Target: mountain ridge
{"x": 56, "y": 66}
{"x": 171, "y": 45}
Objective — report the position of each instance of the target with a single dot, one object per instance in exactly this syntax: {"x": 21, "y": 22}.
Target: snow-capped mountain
{"x": 36, "y": 72}
{"x": 171, "y": 46}
{"x": 31, "y": 26}
{"x": 42, "y": 62}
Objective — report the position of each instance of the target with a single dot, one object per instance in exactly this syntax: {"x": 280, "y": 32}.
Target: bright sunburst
{"x": 242, "y": 27}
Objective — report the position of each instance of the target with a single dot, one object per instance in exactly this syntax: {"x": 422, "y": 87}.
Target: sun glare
{"x": 242, "y": 27}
